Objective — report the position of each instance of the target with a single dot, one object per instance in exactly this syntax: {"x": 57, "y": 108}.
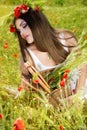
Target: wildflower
{"x": 17, "y": 12}
{"x": 62, "y": 82}
{"x": 86, "y": 37}
{"x": 12, "y": 28}
{"x": 36, "y": 81}
{"x": 67, "y": 71}
{"x": 65, "y": 76}
{"x": 15, "y": 55}
{"x": 1, "y": 58}
{"x": 19, "y": 124}
{"x": 20, "y": 88}
{"x": 5, "y": 46}
{"x": 23, "y": 6}
{"x": 37, "y": 8}
{"x": 1, "y": 116}
{"x": 61, "y": 127}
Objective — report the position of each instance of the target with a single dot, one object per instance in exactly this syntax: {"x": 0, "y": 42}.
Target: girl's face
{"x": 24, "y": 30}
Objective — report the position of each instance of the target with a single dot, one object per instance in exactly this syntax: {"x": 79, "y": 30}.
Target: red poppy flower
{"x": 1, "y": 116}
{"x": 67, "y": 71}
{"x": 37, "y": 8}
{"x": 61, "y": 127}
{"x": 86, "y": 37}
{"x": 5, "y": 46}
{"x": 23, "y": 6}
{"x": 17, "y": 11}
{"x": 12, "y": 28}
{"x": 15, "y": 55}
{"x": 19, "y": 124}
{"x": 36, "y": 81}
{"x": 20, "y": 88}
{"x": 62, "y": 82}
{"x": 65, "y": 75}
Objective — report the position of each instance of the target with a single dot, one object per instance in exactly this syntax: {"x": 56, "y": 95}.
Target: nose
{"x": 22, "y": 32}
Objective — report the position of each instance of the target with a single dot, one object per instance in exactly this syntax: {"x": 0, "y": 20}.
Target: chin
{"x": 30, "y": 42}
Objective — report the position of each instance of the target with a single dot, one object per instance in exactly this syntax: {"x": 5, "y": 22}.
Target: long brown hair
{"x": 45, "y": 36}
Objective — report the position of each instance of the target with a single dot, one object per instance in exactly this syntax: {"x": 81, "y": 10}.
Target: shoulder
{"x": 68, "y": 36}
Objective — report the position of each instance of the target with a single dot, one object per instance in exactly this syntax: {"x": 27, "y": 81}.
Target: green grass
{"x": 68, "y": 17}
{"x": 38, "y": 114}
{"x": 5, "y": 9}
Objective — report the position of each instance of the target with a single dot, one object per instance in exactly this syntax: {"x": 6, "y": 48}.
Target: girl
{"x": 43, "y": 46}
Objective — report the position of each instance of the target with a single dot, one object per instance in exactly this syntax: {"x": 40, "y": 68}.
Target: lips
{"x": 25, "y": 37}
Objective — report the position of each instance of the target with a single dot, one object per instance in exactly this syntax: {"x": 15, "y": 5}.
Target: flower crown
{"x": 17, "y": 12}
{"x": 20, "y": 9}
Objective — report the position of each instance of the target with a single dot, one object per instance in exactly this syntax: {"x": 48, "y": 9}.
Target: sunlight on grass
{"x": 5, "y": 9}
{"x": 73, "y": 17}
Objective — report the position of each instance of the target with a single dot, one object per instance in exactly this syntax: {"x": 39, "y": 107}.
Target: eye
{"x": 24, "y": 25}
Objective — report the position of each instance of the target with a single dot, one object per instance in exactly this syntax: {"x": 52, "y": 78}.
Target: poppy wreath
{"x": 17, "y": 12}
{"x": 20, "y": 9}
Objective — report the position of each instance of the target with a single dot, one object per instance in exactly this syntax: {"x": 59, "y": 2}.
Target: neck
{"x": 32, "y": 46}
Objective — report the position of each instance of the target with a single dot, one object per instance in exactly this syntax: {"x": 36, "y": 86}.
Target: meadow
{"x": 35, "y": 109}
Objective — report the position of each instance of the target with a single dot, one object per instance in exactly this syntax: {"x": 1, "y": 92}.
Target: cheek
{"x": 29, "y": 30}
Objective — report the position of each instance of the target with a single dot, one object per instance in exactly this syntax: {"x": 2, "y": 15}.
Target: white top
{"x": 38, "y": 65}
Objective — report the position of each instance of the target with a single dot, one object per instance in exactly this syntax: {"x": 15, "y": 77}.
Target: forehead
{"x": 19, "y": 22}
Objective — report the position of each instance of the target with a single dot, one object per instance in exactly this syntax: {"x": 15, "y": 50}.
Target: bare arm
{"x": 83, "y": 69}
{"x": 82, "y": 78}
{"x": 25, "y": 75}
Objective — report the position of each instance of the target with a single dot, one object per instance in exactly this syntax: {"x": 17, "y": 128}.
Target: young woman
{"x": 43, "y": 46}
